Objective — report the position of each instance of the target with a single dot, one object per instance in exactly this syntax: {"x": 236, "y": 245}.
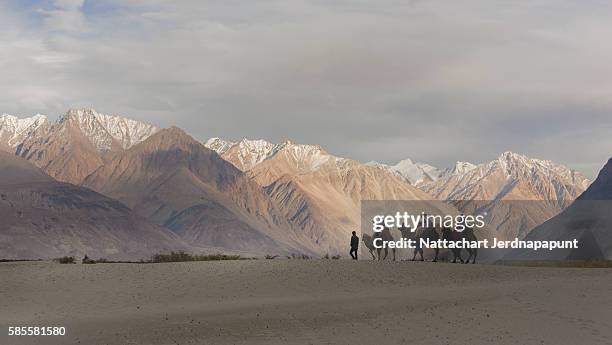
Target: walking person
{"x": 354, "y": 245}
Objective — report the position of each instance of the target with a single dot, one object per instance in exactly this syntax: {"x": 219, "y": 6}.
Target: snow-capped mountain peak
{"x": 258, "y": 146}
{"x": 104, "y": 130}
{"x": 413, "y": 173}
{"x": 518, "y": 164}
{"x": 461, "y": 168}
{"x": 247, "y": 153}
{"x": 540, "y": 180}
{"x": 252, "y": 152}
{"x": 219, "y": 145}
{"x": 13, "y": 130}
{"x": 75, "y": 144}
{"x": 306, "y": 157}
{"x": 542, "y": 189}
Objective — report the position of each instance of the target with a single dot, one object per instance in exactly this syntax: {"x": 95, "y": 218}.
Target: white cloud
{"x": 66, "y": 15}
{"x": 69, "y": 4}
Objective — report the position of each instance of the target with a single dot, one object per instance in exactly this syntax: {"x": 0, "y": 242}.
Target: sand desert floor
{"x": 306, "y": 302}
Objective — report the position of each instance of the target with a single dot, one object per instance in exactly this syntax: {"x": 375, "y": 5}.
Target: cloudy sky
{"x": 435, "y": 81}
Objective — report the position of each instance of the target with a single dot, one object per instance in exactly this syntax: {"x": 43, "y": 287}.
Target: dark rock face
{"x": 601, "y": 188}
{"x": 588, "y": 219}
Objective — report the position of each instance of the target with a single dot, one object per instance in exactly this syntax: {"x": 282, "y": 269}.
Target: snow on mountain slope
{"x": 78, "y": 142}
{"x": 414, "y": 173}
{"x": 219, "y": 145}
{"x": 246, "y": 154}
{"x": 14, "y": 130}
{"x": 459, "y": 169}
{"x": 306, "y": 157}
{"x": 542, "y": 179}
{"x": 518, "y": 192}
{"x": 104, "y": 131}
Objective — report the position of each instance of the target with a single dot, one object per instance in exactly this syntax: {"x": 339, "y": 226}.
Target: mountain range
{"x": 249, "y": 196}
{"x": 516, "y": 192}
{"x": 79, "y": 142}
{"x": 176, "y": 182}
{"x": 317, "y": 192}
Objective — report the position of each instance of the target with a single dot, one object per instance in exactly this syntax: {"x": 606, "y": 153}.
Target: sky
{"x": 433, "y": 81}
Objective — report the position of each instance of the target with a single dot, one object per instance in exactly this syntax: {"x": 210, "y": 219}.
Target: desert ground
{"x": 306, "y": 302}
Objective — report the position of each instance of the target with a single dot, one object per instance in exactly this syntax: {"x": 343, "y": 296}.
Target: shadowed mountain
{"x": 176, "y": 182}
{"x": 16, "y": 170}
{"x": 588, "y": 219}
{"x": 43, "y": 218}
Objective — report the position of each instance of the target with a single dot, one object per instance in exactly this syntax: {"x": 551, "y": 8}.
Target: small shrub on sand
{"x": 184, "y": 257}
{"x": 271, "y": 257}
{"x": 299, "y": 257}
{"x": 65, "y": 260}
{"x": 87, "y": 261}
{"x": 336, "y": 257}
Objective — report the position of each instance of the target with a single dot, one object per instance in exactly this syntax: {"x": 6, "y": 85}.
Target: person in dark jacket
{"x": 354, "y": 245}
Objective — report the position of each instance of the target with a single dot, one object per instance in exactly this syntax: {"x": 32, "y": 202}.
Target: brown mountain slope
{"x": 62, "y": 151}
{"x": 177, "y": 182}
{"x": 322, "y": 194}
{"x": 42, "y": 218}
{"x": 517, "y": 192}
{"x": 81, "y": 141}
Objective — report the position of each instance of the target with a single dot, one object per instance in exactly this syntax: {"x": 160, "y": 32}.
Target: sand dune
{"x": 307, "y": 302}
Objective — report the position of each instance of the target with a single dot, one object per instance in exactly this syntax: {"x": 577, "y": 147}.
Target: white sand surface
{"x": 306, "y": 302}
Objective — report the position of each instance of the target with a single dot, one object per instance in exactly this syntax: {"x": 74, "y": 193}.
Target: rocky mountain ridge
{"x": 79, "y": 142}
{"x": 14, "y": 130}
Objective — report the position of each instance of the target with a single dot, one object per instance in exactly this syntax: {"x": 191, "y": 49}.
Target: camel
{"x": 385, "y": 234}
{"x": 467, "y": 234}
{"x": 424, "y": 233}
{"x": 368, "y": 241}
